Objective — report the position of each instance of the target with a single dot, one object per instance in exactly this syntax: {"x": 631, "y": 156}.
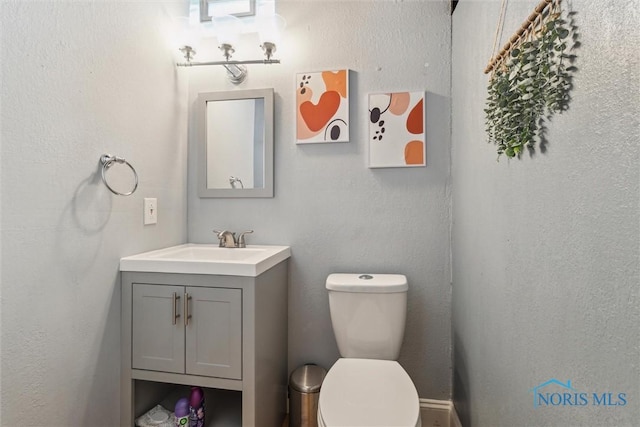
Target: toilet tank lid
{"x": 373, "y": 283}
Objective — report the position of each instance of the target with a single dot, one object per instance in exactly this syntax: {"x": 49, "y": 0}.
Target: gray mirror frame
{"x": 201, "y": 107}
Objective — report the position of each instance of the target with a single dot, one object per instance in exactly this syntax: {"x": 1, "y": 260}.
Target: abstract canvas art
{"x": 322, "y": 107}
{"x": 396, "y": 130}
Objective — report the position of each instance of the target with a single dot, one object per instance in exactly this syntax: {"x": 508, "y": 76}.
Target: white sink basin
{"x": 193, "y": 258}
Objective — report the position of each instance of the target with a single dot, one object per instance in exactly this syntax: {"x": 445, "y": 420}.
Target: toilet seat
{"x": 368, "y": 393}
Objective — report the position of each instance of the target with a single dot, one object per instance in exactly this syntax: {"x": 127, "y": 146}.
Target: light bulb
{"x": 270, "y": 28}
{"x": 227, "y": 28}
{"x": 186, "y": 37}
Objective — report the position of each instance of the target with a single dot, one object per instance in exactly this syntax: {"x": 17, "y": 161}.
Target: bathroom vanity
{"x": 198, "y": 315}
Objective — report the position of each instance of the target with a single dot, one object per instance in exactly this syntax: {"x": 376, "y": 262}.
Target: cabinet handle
{"x": 174, "y": 312}
{"x": 187, "y": 316}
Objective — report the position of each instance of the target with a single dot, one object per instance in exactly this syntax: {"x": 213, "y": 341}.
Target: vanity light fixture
{"x": 227, "y": 28}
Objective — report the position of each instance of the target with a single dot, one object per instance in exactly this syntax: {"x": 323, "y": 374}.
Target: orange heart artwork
{"x": 322, "y": 107}
{"x": 317, "y": 116}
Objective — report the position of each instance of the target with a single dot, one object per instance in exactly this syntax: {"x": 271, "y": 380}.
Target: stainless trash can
{"x": 304, "y": 392}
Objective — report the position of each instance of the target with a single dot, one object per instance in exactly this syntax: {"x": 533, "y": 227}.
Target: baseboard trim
{"x": 454, "y": 420}
{"x": 442, "y": 405}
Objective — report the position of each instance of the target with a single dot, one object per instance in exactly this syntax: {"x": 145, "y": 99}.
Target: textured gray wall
{"x": 80, "y": 79}
{"x": 546, "y": 249}
{"x": 338, "y": 215}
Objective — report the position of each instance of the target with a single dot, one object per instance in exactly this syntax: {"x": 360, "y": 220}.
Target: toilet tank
{"x": 368, "y": 313}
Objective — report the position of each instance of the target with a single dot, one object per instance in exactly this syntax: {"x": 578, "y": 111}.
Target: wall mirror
{"x": 235, "y": 143}
{"x": 237, "y": 8}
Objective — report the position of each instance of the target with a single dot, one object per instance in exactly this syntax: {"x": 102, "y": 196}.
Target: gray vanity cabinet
{"x": 157, "y": 340}
{"x": 227, "y": 334}
{"x": 214, "y": 338}
{"x": 187, "y": 330}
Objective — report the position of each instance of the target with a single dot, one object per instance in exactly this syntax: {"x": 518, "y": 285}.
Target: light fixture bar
{"x": 251, "y": 61}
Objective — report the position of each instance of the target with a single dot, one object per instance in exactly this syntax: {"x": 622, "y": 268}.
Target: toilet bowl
{"x": 368, "y": 393}
{"x": 367, "y": 387}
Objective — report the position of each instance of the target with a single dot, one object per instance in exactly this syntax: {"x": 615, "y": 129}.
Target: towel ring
{"x": 107, "y": 160}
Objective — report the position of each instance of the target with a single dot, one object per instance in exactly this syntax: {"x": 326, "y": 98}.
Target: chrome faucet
{"x": 233, "y": 180}
{"x": 241, "y": 242}
{"x": 228, "y": 239}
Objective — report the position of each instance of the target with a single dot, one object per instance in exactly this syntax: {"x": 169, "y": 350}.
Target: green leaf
{"x": 533, "y": 84}
{"x": 527, "y": 81}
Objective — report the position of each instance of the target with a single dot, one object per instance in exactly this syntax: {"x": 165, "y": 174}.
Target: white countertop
{"x": 193, "y": 258}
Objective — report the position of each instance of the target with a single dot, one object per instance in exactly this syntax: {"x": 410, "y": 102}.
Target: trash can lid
{"x": 307, "y": 378}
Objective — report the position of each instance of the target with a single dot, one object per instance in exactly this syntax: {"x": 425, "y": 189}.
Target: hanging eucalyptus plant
{"x": 529, "y": 86}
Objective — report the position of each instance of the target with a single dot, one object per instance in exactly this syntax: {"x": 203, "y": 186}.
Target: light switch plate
{"x": 150, "y": 211}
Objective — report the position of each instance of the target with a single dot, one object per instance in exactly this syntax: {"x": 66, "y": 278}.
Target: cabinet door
{"x": 214, "y": 333}
{"x": 158, "y": 328}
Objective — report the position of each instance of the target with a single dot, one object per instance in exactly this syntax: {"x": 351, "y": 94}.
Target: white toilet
{"x": 367, "y": 387}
